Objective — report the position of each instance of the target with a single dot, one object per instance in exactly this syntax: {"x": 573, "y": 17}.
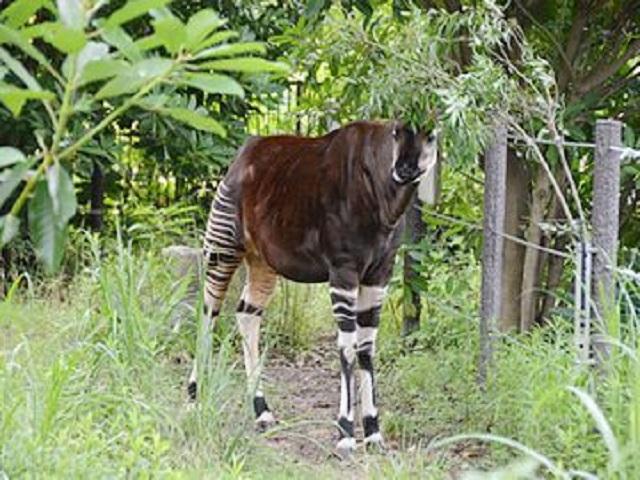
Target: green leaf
{"x": 47, "y": 233}
{"x": 64, "y": 38}
{"x": 15, "y": 98}
{"x": 120, "y": 85}
{"x": 13, "y": 179}
{"x": 9, "y": 35}
{"x": 172, "y": 32}
{"x": 230, "y": 49}
{"x": 134, "y": 78}
{"x": 92, "y": 52}
{"x": 213, "y": 83}
{"x": 148, "y": 43}
{"x": 153, "y": 102}
{"x": 200, "y": 25}
{"x": 195, "y": 120}
{"x": 9, "y": 156}
{"x": 245, "y": 65}
{"x": 18, "y": 12}
{"x": 120, "y": 40}
{"x": 19, "y": 70}
{"x": 131, "y": 10}
{"x": 62, "y": 193}
{"x": 102, "y": 69}
{"x": 217, "y": 38}
{"x": 9, "y": 226}
{"x": 72, "y": 14}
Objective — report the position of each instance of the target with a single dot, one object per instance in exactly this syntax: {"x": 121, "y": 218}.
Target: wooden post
{"x": 495, "y": 172}
{"x": 605, "y": 221}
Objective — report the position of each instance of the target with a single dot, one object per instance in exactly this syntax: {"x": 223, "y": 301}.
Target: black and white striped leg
{"x": 368, "y": 318}
{"x": 222, "y": 253}
{"x": 344, "y": 309}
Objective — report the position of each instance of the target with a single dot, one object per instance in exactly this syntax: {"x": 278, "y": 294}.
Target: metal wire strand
{"x": 475, "y": 226}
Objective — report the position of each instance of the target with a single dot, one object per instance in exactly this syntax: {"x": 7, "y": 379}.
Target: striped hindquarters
{"x": 223, "y": 249}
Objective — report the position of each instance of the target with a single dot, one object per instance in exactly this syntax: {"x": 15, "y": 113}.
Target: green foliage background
{"x": 88, "y": 378}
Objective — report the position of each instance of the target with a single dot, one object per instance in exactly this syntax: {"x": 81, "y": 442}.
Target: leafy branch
{"x": 106, "y": 64}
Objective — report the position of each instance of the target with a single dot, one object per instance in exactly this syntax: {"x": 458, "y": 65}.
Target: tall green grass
{"x": 564, "y": 418}
{"x": 92, "y": 385}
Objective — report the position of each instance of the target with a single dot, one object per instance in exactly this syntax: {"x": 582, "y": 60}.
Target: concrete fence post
{"x": 605, "y": 222}
{"x": 495, "y": 172}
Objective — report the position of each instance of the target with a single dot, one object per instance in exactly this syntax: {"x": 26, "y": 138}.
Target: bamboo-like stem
{"x": 63, "y": 118}
{"x": 31, "y": 183}
{"x": 49, "y": 155}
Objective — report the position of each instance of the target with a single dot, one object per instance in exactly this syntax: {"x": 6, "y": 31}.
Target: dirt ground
{"x": 304, "y": 396}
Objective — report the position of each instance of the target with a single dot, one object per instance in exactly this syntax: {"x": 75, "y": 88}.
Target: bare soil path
{"x": 304, "y": 395}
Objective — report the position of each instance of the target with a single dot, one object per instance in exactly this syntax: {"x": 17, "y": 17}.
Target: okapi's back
{"x": 302, "y": 201}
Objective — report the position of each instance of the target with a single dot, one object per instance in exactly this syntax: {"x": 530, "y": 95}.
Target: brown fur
{"x": 309, "y": 205}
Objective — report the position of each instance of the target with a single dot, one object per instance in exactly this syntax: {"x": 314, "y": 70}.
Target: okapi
{"x": 316, "y": 210}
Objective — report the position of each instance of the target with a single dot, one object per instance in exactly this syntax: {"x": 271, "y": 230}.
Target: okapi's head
{"x": 414, "y": 153}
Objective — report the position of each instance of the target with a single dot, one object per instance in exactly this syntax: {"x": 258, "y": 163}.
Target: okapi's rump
{"x": 316, "y": 210}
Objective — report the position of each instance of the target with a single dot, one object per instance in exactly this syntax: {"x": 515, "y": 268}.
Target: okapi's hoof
{"x": 192, "y": 390}
{"x": 265, "y": 421}
{"x": 346, "y": 447}
{"x": 374, "y": 443}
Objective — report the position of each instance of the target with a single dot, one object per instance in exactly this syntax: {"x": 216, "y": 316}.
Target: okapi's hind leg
{"x": 222, "y": 254}
{"x": 261, "y": 281}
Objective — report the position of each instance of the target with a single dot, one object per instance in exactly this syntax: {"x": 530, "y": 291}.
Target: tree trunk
{"x": 530, "y": 269}
{"x": 517, "y": 203}
{"x": 554, "y": 277}
{"x": 555, "y": 264}
{"x": 96, "y": 215}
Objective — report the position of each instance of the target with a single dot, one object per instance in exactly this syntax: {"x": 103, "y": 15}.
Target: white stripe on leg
{"x": 249, "y": 326}
{"x": 370, "y": 297}
{"x": 346, "y": 344}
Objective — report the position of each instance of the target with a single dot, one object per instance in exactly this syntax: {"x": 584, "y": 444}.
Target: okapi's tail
{"x": 223, "y": 248}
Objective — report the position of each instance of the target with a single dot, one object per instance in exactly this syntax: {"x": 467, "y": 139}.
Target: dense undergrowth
{"x": 92, "y": 385}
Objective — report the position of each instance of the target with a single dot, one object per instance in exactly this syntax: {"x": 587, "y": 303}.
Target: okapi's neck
{"x": 397, "y": 198}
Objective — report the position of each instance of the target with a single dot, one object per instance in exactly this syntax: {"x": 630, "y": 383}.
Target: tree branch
{"x": 566, "y": 72}
{"x": 601, "y": 71}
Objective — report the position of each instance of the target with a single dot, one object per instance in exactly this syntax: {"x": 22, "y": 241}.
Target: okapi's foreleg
{"x": 222, "y": 252}
{"x": 344, "y": 293}
{"x": 368, "y": 317}
{"x": 261, "y": 281}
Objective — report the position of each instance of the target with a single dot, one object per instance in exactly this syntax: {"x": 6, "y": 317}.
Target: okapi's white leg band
{"x": 374, "y": 439}
{"x": 370, "y": 297}
{"x": 249, "y": 326}
{"x": 266, "y": 418}
{"x": 346, "y": 342}
{"x": 346, "y": 446}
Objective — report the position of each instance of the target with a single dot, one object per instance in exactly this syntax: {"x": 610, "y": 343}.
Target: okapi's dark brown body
{"x": 308, "y": 205}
